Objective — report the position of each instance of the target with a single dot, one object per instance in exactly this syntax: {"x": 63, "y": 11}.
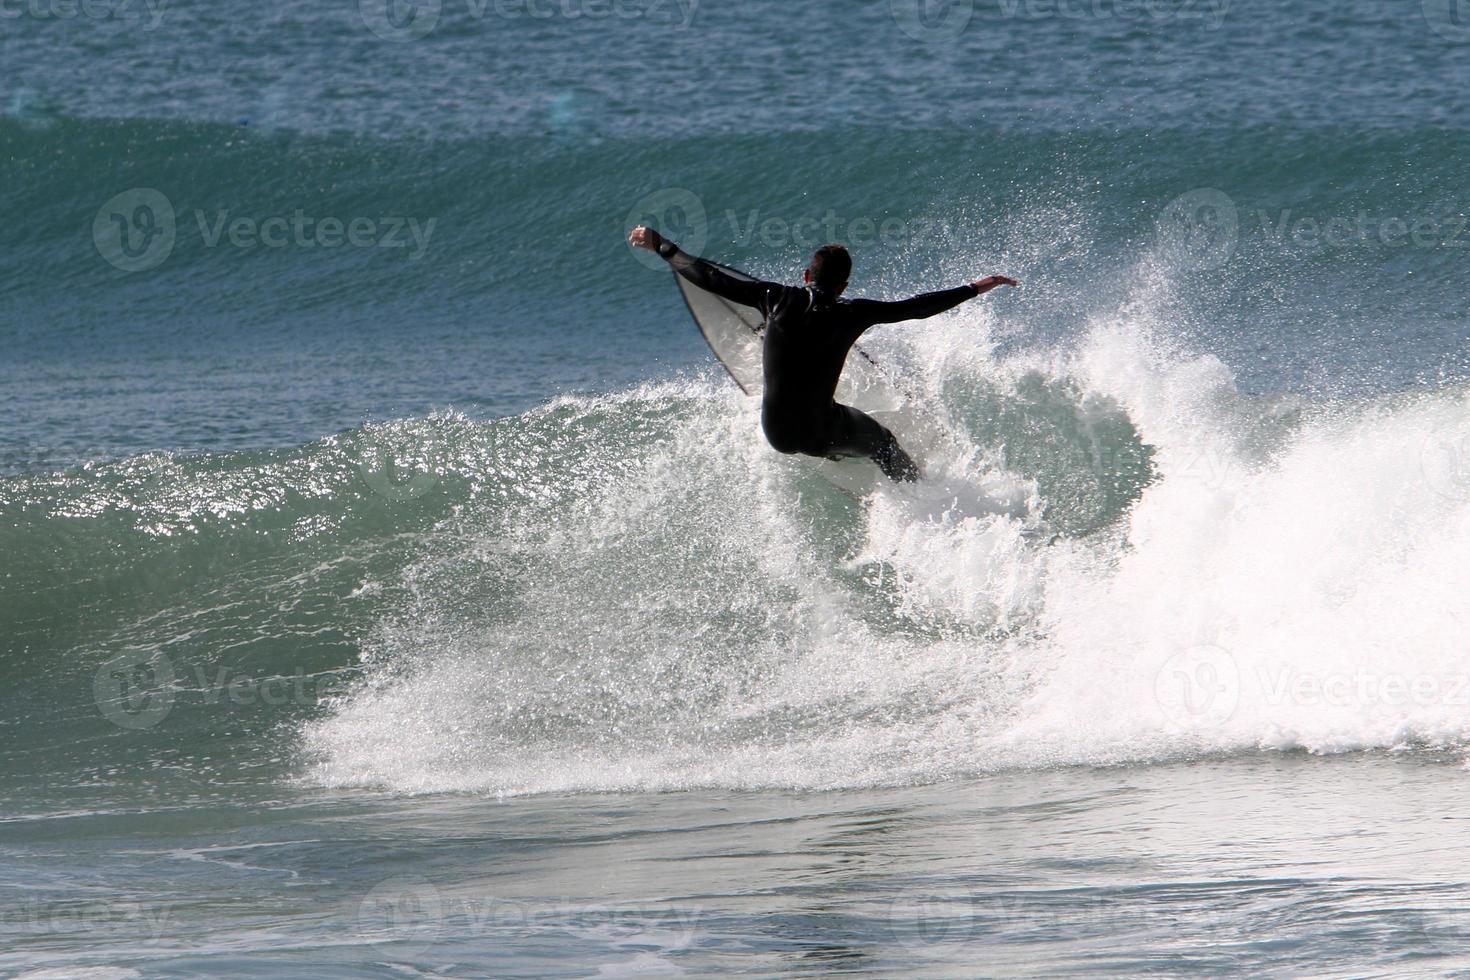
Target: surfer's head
{"x": 829, "y": 269}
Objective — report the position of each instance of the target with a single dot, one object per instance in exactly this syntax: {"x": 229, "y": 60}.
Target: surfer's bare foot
{"x": 983, "y": 286}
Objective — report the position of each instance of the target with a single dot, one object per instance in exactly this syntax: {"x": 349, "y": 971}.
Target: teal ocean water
{"x": 391, "y": 584}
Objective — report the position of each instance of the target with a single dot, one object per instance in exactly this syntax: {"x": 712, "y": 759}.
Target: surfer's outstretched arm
{"x": 927, "y": 304}
{"x": 705, "y": 275}
{"x": 915, "y": 308}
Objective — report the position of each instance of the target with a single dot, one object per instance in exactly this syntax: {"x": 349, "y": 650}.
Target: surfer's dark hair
{"x": 830, "y": 266}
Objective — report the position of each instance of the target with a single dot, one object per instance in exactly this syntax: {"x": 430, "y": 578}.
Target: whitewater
{"x": 680, "y": 608}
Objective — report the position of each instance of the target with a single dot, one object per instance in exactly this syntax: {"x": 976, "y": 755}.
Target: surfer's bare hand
{"x": 983, "y": 286}
{"x": 645, "y": 237}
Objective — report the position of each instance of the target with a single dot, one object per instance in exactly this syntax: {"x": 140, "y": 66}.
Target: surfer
{"x": 808, "y": 331}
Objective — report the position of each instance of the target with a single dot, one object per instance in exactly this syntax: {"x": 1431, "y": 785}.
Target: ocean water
{"x": 391, "y": 584}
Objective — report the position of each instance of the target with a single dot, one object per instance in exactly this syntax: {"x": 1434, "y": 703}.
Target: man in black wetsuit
{"x": 808, "y": 332}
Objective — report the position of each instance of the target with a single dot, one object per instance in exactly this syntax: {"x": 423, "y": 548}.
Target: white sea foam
{"x": 712, "y": 614}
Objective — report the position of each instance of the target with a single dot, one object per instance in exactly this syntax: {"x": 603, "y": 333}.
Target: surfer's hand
{"x": 983, "y": 286}
{"x": 645, "y": 237}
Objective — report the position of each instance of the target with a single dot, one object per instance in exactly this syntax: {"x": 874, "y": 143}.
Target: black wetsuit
{"x": 807, "y": 337}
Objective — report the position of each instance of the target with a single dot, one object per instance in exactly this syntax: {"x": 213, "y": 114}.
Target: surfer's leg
{"x": 859, "y": 434}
